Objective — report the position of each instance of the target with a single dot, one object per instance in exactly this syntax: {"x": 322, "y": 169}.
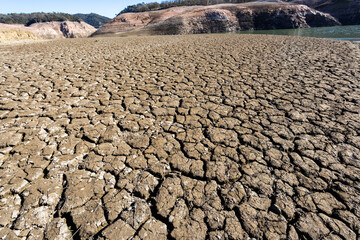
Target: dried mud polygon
{"x": 180, "y": 137}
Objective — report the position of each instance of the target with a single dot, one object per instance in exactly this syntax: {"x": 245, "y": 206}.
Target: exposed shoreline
{"x": 134, "y": 34}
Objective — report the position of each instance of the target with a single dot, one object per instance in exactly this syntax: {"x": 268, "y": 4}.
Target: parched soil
{"x": 180, "y": 137}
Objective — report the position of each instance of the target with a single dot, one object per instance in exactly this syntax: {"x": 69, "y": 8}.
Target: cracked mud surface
{"x": 180, "y": 137}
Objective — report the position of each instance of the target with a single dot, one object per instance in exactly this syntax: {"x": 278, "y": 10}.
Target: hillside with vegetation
{"x": 29, "y": 18}
{"x": 93, "y": 19}
{"x": 144, "y": 7}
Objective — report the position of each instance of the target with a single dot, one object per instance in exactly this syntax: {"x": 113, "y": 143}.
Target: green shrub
{"x": 144, "y": 7}
{"x": 30, "y": 18}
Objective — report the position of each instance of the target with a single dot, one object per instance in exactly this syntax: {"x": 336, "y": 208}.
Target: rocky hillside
{"x": 218, "y": 18}
{"x": 53, "y": 30}
{"x": 93, "y": 19}
{"x": 346, "y": 11}
{"x": 47, "y": 25}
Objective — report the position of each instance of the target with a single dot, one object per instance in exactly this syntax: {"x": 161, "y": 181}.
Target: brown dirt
{"x": 183, "y": 137}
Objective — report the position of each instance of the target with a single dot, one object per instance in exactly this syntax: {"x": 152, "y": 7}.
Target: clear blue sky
{"x": 108, "y": 8}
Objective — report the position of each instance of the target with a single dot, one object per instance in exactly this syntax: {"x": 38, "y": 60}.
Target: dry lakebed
{"x": 220, "y": 136}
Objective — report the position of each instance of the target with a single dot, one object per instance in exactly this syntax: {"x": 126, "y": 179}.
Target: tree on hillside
{"x": 93, "y": 19}
{"x": 30, "y": 18}
{"x": 143, "y": 7}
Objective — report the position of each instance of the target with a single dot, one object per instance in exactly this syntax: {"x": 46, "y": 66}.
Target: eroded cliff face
{"x": 347, "y": 12}
{"x": 219, "y": 18}
{"x": 54, "y": 30}
{"x": 63, "y": 29}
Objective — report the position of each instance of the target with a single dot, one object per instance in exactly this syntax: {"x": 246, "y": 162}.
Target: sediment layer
{"x": 186, "y": 137}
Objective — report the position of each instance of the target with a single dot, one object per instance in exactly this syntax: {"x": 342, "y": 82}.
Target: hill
{"x": 218, "y": 18}
{"x": 153, "y": 6}
{"x": 45, "y": 25}
{"x": 93, "y": 19}
{"x": 346, "y": 11}
{"x": 29, "y": 18}
{"x": 53, "y": 29}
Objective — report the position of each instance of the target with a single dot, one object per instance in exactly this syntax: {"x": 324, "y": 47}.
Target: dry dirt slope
{"x": 187, "y": 137}
{"x": 7, "y": 34}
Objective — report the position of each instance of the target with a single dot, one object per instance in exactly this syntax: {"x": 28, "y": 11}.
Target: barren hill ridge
{"x": 346, "y": 11}
{"x": 218, "y": 18}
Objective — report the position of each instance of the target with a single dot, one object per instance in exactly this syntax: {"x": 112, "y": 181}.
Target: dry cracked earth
{"x": 180, "y": 137}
